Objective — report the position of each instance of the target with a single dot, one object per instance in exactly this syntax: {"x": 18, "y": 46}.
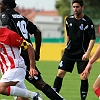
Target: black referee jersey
{"x": 80, "y": 33}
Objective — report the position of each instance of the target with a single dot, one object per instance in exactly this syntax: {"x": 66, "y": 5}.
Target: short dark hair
{"x": 78, "y": 1}
{"x": 10, "y": 3}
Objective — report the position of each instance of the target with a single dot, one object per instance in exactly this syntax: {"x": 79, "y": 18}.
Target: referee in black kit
{"x": 80, "y": 41}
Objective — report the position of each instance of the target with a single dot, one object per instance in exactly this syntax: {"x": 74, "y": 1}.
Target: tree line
{"x": 92, "y": 8}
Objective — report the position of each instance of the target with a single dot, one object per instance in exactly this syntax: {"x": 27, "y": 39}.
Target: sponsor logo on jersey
{"x": 18, "y": 40}
{"x": 17, "y": 16}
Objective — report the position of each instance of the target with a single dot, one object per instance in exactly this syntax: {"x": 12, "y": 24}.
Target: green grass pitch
{"x": 71, "y": 83}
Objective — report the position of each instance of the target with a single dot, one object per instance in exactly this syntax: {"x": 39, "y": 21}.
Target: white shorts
{"x": 16, "y": 74}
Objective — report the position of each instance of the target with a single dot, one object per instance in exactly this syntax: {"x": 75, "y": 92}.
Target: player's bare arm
{"x": 38, "y": 39}
{"x": 87, "y": 53}
{"x": 27, "y": 46}
{"x": 95, "y": 56}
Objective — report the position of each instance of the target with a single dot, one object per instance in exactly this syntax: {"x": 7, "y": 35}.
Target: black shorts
{"x": 67, "y": 63}
{"x": 27, "y": 63}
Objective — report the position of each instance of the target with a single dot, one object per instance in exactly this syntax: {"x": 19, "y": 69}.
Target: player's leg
{"x": 84, "y": 82}
{"x": 44, "y": 87}
{"x": 21, "y": 85}
{"x": 96, "y": 87}
{"x": 21, "y": 98}
{"x": 8, "y": 88}
{"x": 38, "y": 82}
{"x": 58, "y": 80}
{"x": 65, "y": 65}
{"x": 9, "y": 81}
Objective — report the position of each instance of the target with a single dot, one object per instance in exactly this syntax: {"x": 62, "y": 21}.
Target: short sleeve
{"x": 10, "y": 37}
{"x": 92, "y": 31}
{"x": 31, "y": 27}
{"x": 67, "y": 29}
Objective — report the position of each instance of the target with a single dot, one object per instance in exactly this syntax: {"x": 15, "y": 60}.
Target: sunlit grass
{"x": 71, "y": 82}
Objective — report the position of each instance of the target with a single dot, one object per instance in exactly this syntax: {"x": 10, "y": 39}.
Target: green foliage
{"x": 91, "y": 8}
{"x": 71, "y": 83}
{"x": 63, "y": 7}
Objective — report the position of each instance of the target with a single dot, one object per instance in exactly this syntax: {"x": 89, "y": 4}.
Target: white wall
{"x": 50, "y": 26}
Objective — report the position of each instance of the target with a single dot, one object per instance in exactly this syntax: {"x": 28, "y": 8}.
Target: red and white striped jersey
{"x": 9, "y": 50}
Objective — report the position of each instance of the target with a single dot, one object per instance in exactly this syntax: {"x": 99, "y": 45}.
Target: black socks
{"x": 50, "y": 93}
{"x": 58, "y": 83}
{"x": 84, "y": 89}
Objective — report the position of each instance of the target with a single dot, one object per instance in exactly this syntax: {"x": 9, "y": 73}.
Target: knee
{"x": 94, "y": 87}
{"x": 61, "y": 73}
{"x": 2, "y": 89}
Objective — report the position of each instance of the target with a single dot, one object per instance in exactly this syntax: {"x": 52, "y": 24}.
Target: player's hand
{"x": 85, "y": 57}
{"x": 86, "y": 72}
{"x": 37, "y": 56}
{"x": 33, "y": 72}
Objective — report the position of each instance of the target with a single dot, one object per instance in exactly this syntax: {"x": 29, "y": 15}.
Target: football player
{"x": 18, "y": 23}
{"x": 13, "y": 67}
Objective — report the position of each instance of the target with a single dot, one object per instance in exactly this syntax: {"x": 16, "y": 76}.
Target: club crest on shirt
{"x": 81, "y": 27}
